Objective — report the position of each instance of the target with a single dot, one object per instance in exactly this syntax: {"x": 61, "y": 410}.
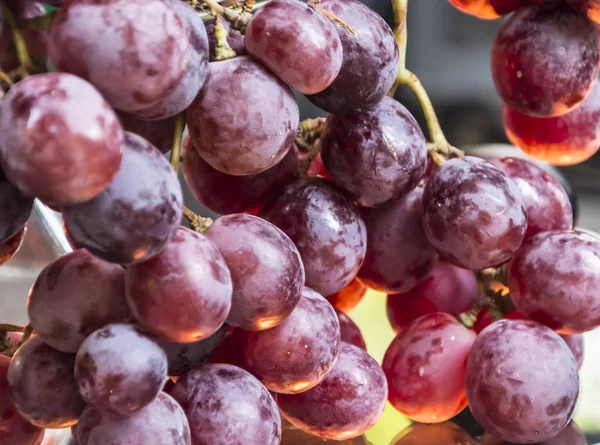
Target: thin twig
{"x": 6, "y": 78}
{"x": 199, "y": 223}
{"x": 20, "y": 46}
{"x": 26, "y": 334}
{"x": 177, "y": 136}
{"x": 222, "y": 51}
{"x": 248, "y": 5}
{"x": 5, "y": 327}
{"x": 336, "y": 19}
{"x": 238, "y": 20}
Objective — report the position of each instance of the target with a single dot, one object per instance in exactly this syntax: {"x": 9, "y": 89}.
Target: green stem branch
{"x": 199, "y": 223}
{"x": 223, "y": 51}
{"x": 238, "y": 20}
{"x": 177, "y": 137}
{"x": 20, "y": 46}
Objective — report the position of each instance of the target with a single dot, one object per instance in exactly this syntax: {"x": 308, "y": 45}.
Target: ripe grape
{"x": 576, "y": 343}
{"x": 484, "y": 319}
{"x": 299, "y": 44}
{"x": 346, "y": 404}
{"x": 296, "y": 355}
{"x": 244, "y": 120}
{"x": 61, "y": 142}
{"x": 589, "y": 7}
{"x": 376, "y": 156}
{"x": 490, "y": 9}
{"x": 317, "y": 168}
{"x": 290, "y": 435}
{"x": 136, "y": 216}
{"x": 119, "y": 370}
{"x": 571, "y": 435}
{"x": 10, "y": 246}
{"x": 553, "y": 280}
{"x": 159, "y": 133}
{"x": 425, "y": 368}
{"x": 474, "y": 213}
{"x": 266, "y": 270}
{"x": 347, "y": 299}
{"x": 446, "y": 288}
{"x": 15, "y": 208}
{"x": 446, "y": 433}
{"x": 562, "y": 140}
{"x": 42, "y": 386}
{"x": 325, "y": 226}
{"x": 183, "y": 294}
{"x": 234, "y": 38}
{"x": 522, "y": 381}
{"x": 225, "y": 405}
{"x": 545, "y": 59}
{"x": 224, "y": 353}
{"x": 350, "y": 332}
{"x": 135, "y": 52}
{"x": 370, "y": 62}
{"x": 398, "y": 253}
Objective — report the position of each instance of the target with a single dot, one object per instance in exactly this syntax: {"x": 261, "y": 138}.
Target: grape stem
{"x": 20, "y": 46}
{"x": 14, "y": 348}
{"x": 11, "y": 328}
{"x": 199, "y": 223}
{"x": 248, "y": 5}
{"x": 238, "y": 20}
{"x": 177, "y": 136}
{"x": 223, "y": 51}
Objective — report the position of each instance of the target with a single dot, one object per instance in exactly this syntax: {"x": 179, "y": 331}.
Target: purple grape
{"x": 571, "y": 435}
{"x": 135, "y": 52}
{"x": 546, "y": 201}
{"x": 370, "y": 60}
{"x": 474, "y": 213}
{"x": 522, "y": 381}
{"x": 576, "y": 343}
{"x": 325, "y": 226}
{"x": 162, "y": 422}
{"x": 266, "y": 270}
{"x": 234, "y": 38}
{"x": 398, "y": 252}
{"x": 554, "y": 279}
{"x": 349, "y": 297}
{"x": 375, "y": 156}
{"x": 299, "y": 44}
{"x": 349, "y": 331}
{"x": 346, "y": 404}
{"x": 10, "y": 246}
{"x": 183, "y": 294}
{"x": 545, "y": 59}
{"x": 74, "y": 296}
{"x": 137, "y": 215}
{"x": 15, "y": 208}
{"x": 159, "y": 133}
{"x": 225, "y": 405}
{"x": 119, "y": 370}
{"x": 299, "y": 353}
{"x": 42, "y": 386}
{"x": 61, "y": 142}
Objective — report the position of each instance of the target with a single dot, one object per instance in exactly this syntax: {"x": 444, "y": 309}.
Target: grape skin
{"x": 293, "y": 436}
{"x": 234, "y": 38}
{"x": 16, "y": 208}
{"x": 159, "y": 132}
{"x": 350, "y": 332}
{"x": 10, "y": 246}
{"x": 347, "y": 299}
{"x": 571, "y": 435}
{"x": 589, "y": 7}
{"x": 446, "y": 433}
{"x": 576, "y": 343}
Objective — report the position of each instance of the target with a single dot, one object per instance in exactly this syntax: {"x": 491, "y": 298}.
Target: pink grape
{"x": 349, "y": 297}
{"x": 576, "y": 343}
{"x": 350, "y": 332}
{"x": 10, "y": 246}
{"x": 159, "y": 133}
{"x": 15, "y": 206}
{"x": 234, "y": 38}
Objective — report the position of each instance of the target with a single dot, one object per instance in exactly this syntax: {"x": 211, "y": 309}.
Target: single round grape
{"x": 398, "y": 253}
{"x": 245, "y": 132}
{"x": 162, "y": 422}
{"x": 42, "y": 386}
{"x": 159, "y": 132}
{"x": 136, "y": 216}
{"x": 546, "y": 201}
{"x": 370, "y": 62}
{"x": 571, "y": 435}
{"x": 446, "y": 288}
{"x": 119, "y": 370}
{"x": 490, "y": 9}
{"x": 589, "y": 7}
{"x": 183, "y": 294}
{"x": 484, "y": 319}
{"x": 553, "y": 280}
{"x": 296, "y": 355}
{"x": 136, "y": 52}
{"x": 60, "y": 140}
{"x": 445, "y": 433}
{"x": 349, "y": 331}
{"x": 522, "y": 381}
{"x": 474, "y": 213}
{"x": 576, "y": 343}
{"x": 74, "y": 296}
{"x": 10, "y": 246}
{"x": 545, "y": 59}
{"x": 235, "y": 39}
{"x": 225, "y": 405}
{"x": 346, "y": 404}
{"x": 325, "y": 226}
{"x": 562, "y": 140}
{"x": 347, "y": 299}
{"x": 376, "y": 156}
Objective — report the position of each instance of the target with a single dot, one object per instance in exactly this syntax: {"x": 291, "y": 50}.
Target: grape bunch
{"x": 240, "y": 330}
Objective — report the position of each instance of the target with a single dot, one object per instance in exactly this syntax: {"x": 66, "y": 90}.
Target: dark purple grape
{"x": 225, "y": 405}
{"x": 15, "y": 208}
{"x": 10, "y": 246}
{"x": 42, "y": 386}
{"x": 299, "y": 44}
{"x": 296, "y": 355}
{"x": 370, "y": 60}
{"x": 162, "y": 422}
{"x": 159, "y": 133}
{"x": 61, "y": 142}
{"x": 349, "y": 297}
{"x": 135, "y": 52}
{"x": 183, "y": 294}
{"x": 350, "y": 332}
{"x": 545, "y": 59}
{"x": 398, "y": 252}
{"x": 571, "y": 435}
{"x": 266, "y": 270}
{"x": 576, "y": 343}
{"x": 474, "y": 213}
{"x": 325, "y": 226}
{"x": 244, "y": 120}
{"x": 589, "y": 7}
{"x": 445, "y": 433}
{"x": 136, "y": 216}
{"x": 346, "y": 404}
{"x": 74, "y": 296}
{"x": 554, "y": 279}
{"x": 375, "y": 156}
{"x": 119, "y": 370}
{"x": 522, "y": 381}
{"x": 234, "y": 38}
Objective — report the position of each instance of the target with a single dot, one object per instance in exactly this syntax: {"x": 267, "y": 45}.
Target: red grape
{"x": 349, "y": 332}
{"x": 234, "y": 38}
{"x": 158, "y": 133}
{"x": 10, "y": 246}
{"x": 589, "y": 7}
{"x": 61, "y": 142}
{"x": 545, "y": 59}
{"x": 376, "y": 156}
{"x": 347, "y": 299}
{"x": 224, "y": 353}
{"x": 576, "y": 343}
{"x": 474, "y": 213}
{"x": 244, "y": 120}
{"x": 522, "y": 381}
{"x": 317, "y": 168}
{"x": 571, "y": 435}
{"x": 484, "y": 319}
{"x": 290, "y": 435}
{"x": 554, "y": 279}
{"x": 490, "y": 9}
{"x": 446, "y": 433}
{"x": 183, "y": 294}
{"x": 296, "y": 355}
